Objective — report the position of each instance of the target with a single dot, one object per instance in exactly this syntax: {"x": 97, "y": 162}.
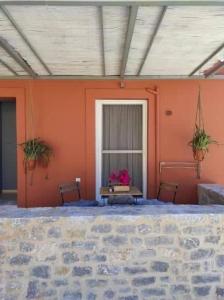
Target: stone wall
{"x": 129, "y": 253}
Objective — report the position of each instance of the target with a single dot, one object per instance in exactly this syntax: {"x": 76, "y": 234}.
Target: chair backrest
{"x": 69, "y": 188}
{"x": 170, "y": 187}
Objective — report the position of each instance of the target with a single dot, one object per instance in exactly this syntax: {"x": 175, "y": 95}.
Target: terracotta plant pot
{"x": 31, "y": 164}
{"x": 199, "y": 155}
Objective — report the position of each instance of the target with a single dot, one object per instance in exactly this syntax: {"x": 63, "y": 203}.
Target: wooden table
{"x": 134, "y": 192}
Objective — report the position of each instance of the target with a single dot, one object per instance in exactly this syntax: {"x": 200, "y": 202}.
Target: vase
{"x": 199, "y": 154}
{"x": 31, "y": 164}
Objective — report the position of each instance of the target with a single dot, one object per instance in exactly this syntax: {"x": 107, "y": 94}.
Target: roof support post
{"x": 130, "y": 30}
{"x": 24, "y": 38}
{"x": 102, "y": 40}
{"x": 160, "y": 19}
{"x": 17, "y": 57}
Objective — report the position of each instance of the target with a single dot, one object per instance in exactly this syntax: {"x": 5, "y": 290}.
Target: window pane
{"x": 115, "y": 162}
{"x": 122, "y": 127}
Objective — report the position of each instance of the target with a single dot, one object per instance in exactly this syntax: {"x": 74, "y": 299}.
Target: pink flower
{"x": 122, "y": 177}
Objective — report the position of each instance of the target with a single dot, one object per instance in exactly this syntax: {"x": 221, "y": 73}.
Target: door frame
{"x": 99, "y": 134}
{"x": 19, "y": 95}
{"x": 8, "y": 100}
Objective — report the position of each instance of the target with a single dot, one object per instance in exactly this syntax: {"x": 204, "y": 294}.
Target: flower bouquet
{"x": 120, "y": 181}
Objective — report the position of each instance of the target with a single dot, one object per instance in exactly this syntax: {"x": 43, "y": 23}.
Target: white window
{"x": 121, "y": 141}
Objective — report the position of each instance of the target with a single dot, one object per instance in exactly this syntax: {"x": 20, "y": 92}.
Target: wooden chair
{"x": 170, "y": 187}
{"x": 71, "y": 188}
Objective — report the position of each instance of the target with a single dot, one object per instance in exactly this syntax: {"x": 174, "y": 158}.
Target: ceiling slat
{"x": 17, "y": 57}
{"x": 160, "y": 19}
{"x": 8, "y": 67}
{"x": 24, "y": 38}
{"x": 102, "y": 39}
{"x": 129, "y": 35}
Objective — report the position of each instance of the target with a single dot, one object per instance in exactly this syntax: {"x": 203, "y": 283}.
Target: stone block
{"x": 207, "y": 278}
{"x": 202, "y": 291}
{"x": 82, "y": 271}
{"x": 135, "y": 270}
{"x": 212, "y": 239}
{"x": 153, "y": 292}
{"x": 70, "y": 258}
{"x": 109, "y": 294}
{"x": 54, "y": 232}
{"x": 96, "y": 283}
{"x": 26, "y": 247}
{"x": 85, "y": 245}
{"x": 68, "y": 295}
{"x": 41, "y": 272}
{"x": 159, "y": 266}
{"x": 20, "y": 259}
{"x": 136, "y": 241}
{"x": 220, "y": 292}
{"x": 115, "y": 240}
{"x": 180, "y": 289}
{"x": 60, "y": 282}
{"x": 202, "y": 254}
{"x": 159, "y": 240}
{"x": 189, "y": 243}
{"x": 91, "y": 296}
{"x": 198, "y": 230}
{"x": 126, "y": 229}
{"x": 94, "y": 258}
{"x": 101, "y": 228}
{"x": 170, "y": 229}
{"x": 220, "y": 261}
{"x": 108, "y": 270}
{"x": 142, "y": 281}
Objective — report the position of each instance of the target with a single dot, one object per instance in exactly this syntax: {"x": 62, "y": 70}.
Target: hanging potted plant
{"x": 200, "y": 143}
{"x": 35, "y": 150}
{"x": 201, "y": 140}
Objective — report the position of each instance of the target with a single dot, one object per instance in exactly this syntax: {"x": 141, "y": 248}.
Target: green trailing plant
{"x": 201, "y": 140}
{"x": 36, "y": 150}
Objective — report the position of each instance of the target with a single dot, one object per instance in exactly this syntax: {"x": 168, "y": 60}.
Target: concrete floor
{"x": 8, "y": 198}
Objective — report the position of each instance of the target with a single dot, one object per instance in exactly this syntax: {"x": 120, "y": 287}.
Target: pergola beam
{"x": 102, "y": 40}
{"x": 214, "y": 70}
{"x": 109, "y": 77}
{"x": 131, "y": 26}
{"x": 8, "y": 67}
{"x": 208, "y": 58}
{"x": 160, "y": 19}
{"x": 116, "y": 2}
{"x": 17, "y": 57}
{"x": 24, "y": 38}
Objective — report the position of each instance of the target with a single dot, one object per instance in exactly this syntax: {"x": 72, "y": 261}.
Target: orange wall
{"x": 63, "y": 115}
